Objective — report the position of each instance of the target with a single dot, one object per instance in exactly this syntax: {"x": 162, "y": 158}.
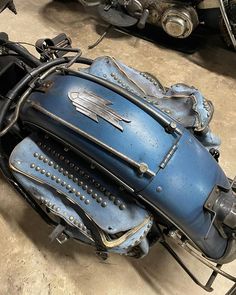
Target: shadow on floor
{"x": 70, "y": 14}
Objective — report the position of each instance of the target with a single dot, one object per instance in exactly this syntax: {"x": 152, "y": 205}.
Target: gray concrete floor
{"x": 29, "y": 263}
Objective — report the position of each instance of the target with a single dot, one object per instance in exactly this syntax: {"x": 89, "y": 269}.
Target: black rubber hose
{"x": 21, "y": 51}
{"x": 11, "y": 95}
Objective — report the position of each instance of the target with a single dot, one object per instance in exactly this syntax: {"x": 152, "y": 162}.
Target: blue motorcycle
{"x": 110, "y": 157}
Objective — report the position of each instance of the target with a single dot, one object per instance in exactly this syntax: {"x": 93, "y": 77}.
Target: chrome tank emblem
{"x": 94, "y": 106}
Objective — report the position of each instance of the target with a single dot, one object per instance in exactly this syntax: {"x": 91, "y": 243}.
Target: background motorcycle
{"x": 177, "y": 18}
{"x": 111, "y": 158}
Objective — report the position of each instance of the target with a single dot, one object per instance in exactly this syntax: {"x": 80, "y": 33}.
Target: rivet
{"x": 73, "y": 190}
{"x": 104, "y": 204}
{"x": 112, "y": 74}
{"x": 86, "y": 176}
{"x": 80, "y": 225}
{"x": 58, "y": 180}
{"x": 41, "y": 157}
{"x": 84, "y": 187}
{"x": 76, "y": 168}
{"x": 87, "y": 202}
{"x": 61, "y": 170}
{"x": 159, "y": 189}
{"x": 48, "y": 174}
{"x": 66, "y": 149}
{"x": 82, "y": 198}
{"x": 53, "y": 177}
{"x": 32, "y": 165}
{"x": 63, "y": 183}
{"x": 65, "y": 173}
{"x": 107, "y": 193}
{"x": 71, "y": 218}
{"x": 36, "y": 155}
{"x": 75, "y": 179}
{"x": 122, "y": 207}
{"x": 97, "y": 184}
{"x": 49, "y": 204}
{"x": 68, "y": 186}
{"x": 89, "y": 191}
{"x": 70, "y": 176}
{"x": 84, "y": 228}
{"x": 94, "y": 196}
{"x": 43, "y": 171}
{"x": 80, "y": 183}
{"x": 62, "y": 158}
{"x": 67, "y": 161}
{"x": 37, "y": 168}
{"x": 58, "y": 209}
{"x": 117, "y": 202}
{"x": 99, "y": 199}
{"x": 102, "y": 189}
{"x": 112, "y": 198}
{"x": 56, "y": 166}
{"x": 50, "y": 163}
{"x": 72, "y": 165}
{"x": 76, "y": 222}
{"x": 45, "y": 160}
{"x": 77, "y": 194}
{"x": 42, "y": 199}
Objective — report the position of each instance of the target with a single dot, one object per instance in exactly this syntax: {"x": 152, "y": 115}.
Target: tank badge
{"x": 94, "y": 106}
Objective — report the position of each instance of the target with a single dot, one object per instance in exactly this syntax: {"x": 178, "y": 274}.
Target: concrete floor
{"x": 29, "y": 263}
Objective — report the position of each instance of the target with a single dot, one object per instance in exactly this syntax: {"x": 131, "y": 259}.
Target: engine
{"x": 177, "y": 18}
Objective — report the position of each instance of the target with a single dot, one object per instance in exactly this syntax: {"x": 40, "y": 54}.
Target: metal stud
{"x": 73, "y": 190}
{"x": 68, "y": 186}
{"x": 99, "y": 199}
{"x": 112, "y": 198}
{"x": 84, "y": 228}
{"x": 58, "y": 180}
{"x": 107, "y": 193}
{"x": 117, "y": 202}
{"x": 48, "y": 174}
{"x": 122, "y": 207}
{"x": 89, "y": 191}
{"x": 37, "y": 168}
{"x": 70, "y": 176}
{"x": 104, "y": 204}
{"x": 97, "y": 184}
{"x": 85, "y": 187}
{"x": 77, "y": 194}
{"x": 94, "y": 196}
{"x": 87, "y": 202}
{"x": 45, "y": 160}
{"x": 53, "y": 177}
{"x": 80, "y": 183}
{"x": 76, "y": 168}
{"x": 32, "y": 165}
{"x": 62, "y": 158}
{"x": 41, "y": 157}
{"x": 65, "y": 173}
{"x": 72, "y": 165}
{"x": 67, "y": 161}
{"x": 50, "y": 163}
{"x": 56, "y": 166}
{"x": 71, "y": 218}
{"x": 61, "y": 169}
{"x": 82, "y": 198}
{"x": 63, "y": 183}
{"x": 76, "y": 180}
{"x": 80, "y": 225}
{"x": 81, "y": 172}
{"x": 36, "y": 155}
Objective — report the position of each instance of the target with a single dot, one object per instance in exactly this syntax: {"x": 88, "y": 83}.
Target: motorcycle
{"x": 177, "y": 18}
{"x": 113, "y": 159}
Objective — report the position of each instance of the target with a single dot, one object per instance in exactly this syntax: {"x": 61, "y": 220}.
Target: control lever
{"x": 143, "y": 19}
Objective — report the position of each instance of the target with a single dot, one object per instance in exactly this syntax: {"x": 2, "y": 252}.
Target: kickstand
{"x": 101, "y": 38}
